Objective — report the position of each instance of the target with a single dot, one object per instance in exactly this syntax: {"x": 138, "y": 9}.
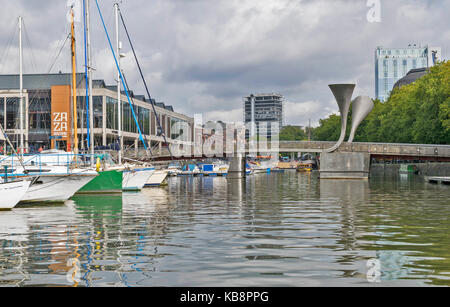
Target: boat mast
{"x": 89, "y": 67}
{"x": 74, "y": 86}
{"x": 119, "y": 104}
{"x": 21, "y": 86}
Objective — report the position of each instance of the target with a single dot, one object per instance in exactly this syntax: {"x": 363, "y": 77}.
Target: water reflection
{"x": 350, "y": 191}
{"x": 236, "y": 189}
{"x": 280, "y": 229}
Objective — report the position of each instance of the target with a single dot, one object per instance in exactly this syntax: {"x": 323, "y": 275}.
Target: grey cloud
{"x": 203, "y": 56}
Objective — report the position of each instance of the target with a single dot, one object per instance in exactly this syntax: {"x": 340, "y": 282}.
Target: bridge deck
{"x": 377, "y": 150}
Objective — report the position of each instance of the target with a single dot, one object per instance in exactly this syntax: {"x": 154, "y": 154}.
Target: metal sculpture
{"x": 343, "y": 94}
{"x": 361, "y": 107}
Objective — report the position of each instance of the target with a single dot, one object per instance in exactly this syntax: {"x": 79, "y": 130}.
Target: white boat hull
{"x": 11, "y": 193}
{"x": 157, "y": 178}
{"x": 135, "y": 179}
{"x": 56, "y": 188}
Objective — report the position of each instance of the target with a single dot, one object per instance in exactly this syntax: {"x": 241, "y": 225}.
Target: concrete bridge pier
{"x": 237, "y": 167}
{"x": 344, "y": 165}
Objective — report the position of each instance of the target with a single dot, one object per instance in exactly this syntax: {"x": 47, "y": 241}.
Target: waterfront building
{"x": 48, "y": 114}
{"x": 264, "y": 110}
{"x": 392, "y": 64}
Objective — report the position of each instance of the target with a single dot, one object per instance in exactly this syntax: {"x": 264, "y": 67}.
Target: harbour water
{"x": 279, "y": 229}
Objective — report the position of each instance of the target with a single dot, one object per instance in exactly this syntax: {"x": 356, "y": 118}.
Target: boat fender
{"x": 97, "y": 166}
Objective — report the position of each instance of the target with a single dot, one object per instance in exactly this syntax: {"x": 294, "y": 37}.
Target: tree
{"x": 292, "y": 133}
{"x": 416, "y": 113}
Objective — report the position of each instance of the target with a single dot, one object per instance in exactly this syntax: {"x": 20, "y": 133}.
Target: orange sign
{"x": 61, "y": 115}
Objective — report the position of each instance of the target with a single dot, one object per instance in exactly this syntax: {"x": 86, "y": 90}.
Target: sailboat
{"x": 134, "y": 177}
{"x": 108, "y": 180}
{"x": 51, "y": 183}
{"x": 11, "y": 193}
{"x": 158, "y": 176}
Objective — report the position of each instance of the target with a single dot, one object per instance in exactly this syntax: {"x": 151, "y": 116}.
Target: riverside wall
{"x": 441, "y": 169}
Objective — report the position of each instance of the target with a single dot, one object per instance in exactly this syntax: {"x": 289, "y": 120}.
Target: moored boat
{"x": 51, "y": 183}
{"x": 134, "y": 179}
{"x": 12, "y": 192}
{"x": 54, "y": 183}
{"x": 157, "y": 178}
{"x": 304, "y": 167}
{"x": 109, "y": 181}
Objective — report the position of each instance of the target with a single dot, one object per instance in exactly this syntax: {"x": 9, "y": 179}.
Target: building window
{"x": 12, "y": 113}
{"x": 98, "y": 111}
{"x": 111, "y": 113}
{"x": 2, "y": 111}
{"x": 395, "y": 69}
{"x": 39, "y": 110}
{"x": 144, "y": 120}
{"x": 152, "y": 124}
{"x": 133, "y": 120}
{"x": 126, "y": 118}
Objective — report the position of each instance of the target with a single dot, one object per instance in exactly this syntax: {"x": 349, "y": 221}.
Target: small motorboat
{"x": 304, "y": 167}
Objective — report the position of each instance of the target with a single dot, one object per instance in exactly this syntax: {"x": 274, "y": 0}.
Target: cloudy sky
{"x": 203, "y": 56}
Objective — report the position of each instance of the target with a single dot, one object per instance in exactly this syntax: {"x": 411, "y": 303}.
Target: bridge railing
{"x": 386, "y": 149}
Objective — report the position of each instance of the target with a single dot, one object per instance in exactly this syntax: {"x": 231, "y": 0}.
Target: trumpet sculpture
{"x": 343, "y": 94}
{"x": 361, "y": 107}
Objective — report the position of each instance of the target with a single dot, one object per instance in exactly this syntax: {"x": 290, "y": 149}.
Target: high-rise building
{"x": 392, "y": 64}
{"x": 265, "y": 110}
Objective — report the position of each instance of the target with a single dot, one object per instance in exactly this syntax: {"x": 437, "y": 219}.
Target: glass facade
{"x": 144, "y": 120}
{"x": 98, "y": 111}
{"x": 112, "y": 113}
{"x": 39, "y": 118}
{"x": 393, "y": 64}
{"x": 2, "y": 111}
{"x": 145, "y": 117}
{"x": 12, "y": 108}
{"x": 179, "y": 130}
{"x": 105, "y": 113}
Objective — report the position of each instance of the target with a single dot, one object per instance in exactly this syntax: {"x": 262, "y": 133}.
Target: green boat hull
{"x": 105, "y": 182}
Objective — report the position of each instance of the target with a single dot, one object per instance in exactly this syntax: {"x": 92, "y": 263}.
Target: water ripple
{"x": 270, "y": 230}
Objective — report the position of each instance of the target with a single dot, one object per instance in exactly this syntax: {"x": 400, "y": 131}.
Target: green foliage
{"x": 292, "y": 133}
{"x": 329, "y": 129}
{"x": 416, "y": 113}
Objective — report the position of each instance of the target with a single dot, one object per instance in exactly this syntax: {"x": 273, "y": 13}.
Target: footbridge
{"x": 423, "y": 152}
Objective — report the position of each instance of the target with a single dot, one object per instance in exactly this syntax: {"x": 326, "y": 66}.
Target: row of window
{"x": 39, "y": 115}
{"x": 268, "y": 98}
{"x": 405, "y": 63}
{"x": 403, "y": 51}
